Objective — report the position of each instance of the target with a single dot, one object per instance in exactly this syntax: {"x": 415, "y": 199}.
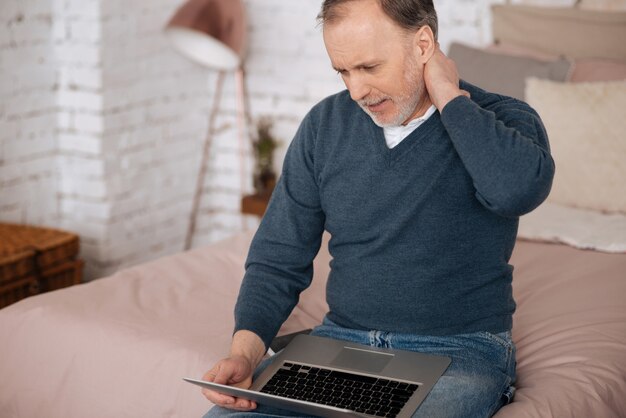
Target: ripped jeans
{"x": 477, "y": 383}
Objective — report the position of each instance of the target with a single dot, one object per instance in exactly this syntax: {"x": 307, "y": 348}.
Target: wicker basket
{"x": 51, "y": 245}
{"x": 16, "y": 290}
{"x": 64, "y": 275}
{"x": 35, "y": 259}
{"x": 16, "y": 265}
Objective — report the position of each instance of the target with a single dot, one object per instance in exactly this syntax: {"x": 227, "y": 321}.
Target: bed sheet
{"x": 119, "y": 346}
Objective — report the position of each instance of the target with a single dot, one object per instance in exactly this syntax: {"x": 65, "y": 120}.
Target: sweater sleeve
{"x": 505, "y": 150}
{"x": 280, "y": 260}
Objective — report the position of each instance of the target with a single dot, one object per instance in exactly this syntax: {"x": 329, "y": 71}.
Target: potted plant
{"x": 264, "y": 146}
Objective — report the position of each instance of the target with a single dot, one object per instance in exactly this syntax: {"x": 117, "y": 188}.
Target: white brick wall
{"x": 102, "y": 122}
{"x": 81, "y": 192}
{"x": 27, "y": 113}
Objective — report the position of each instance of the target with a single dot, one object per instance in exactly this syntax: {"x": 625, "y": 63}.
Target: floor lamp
{"x": 212, "y": 33}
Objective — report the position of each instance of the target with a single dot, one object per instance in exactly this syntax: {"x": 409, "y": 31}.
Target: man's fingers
{"x": 229, "y": 372}
{"x": 223, "y": 374}
{"x": 229, "y": 402}
{"x": 217, "y": 375}
{"x": 209, "y": 376}
{"x": 218, "y": 398}
{"x": 244, "y": 405}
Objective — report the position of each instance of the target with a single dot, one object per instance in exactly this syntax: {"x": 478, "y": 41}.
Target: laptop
{"x": 332, "y": 378}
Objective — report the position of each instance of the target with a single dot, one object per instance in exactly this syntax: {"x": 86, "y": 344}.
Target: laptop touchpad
{"x": 355, "y": 358}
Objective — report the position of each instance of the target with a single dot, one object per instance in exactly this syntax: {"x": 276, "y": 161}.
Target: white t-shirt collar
{"x": 395, "y": 134}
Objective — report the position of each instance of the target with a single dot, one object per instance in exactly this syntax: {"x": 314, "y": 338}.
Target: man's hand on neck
{"x": 442, "y": 80}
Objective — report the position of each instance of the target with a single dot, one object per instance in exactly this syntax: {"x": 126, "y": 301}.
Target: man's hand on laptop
{"x": 235, "y": 371}
{"x": 246, "y": 352}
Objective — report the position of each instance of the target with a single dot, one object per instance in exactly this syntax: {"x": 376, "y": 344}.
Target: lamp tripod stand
{"x": 242, "y": 121}
{"x": 213, "y": 33}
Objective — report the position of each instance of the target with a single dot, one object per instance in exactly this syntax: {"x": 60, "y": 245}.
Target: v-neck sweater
{"x": 421, "y": 234}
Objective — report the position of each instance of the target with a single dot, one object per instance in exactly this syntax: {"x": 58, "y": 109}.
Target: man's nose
{"x": 357, "y": 87}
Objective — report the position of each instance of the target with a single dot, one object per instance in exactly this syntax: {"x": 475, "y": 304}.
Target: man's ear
{"x": 424, "y": 44}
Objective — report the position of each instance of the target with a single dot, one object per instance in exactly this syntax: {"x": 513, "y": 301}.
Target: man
{"x": 420, "y": 180}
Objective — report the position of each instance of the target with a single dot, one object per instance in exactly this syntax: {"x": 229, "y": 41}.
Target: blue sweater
{"x": 421, "y": 234}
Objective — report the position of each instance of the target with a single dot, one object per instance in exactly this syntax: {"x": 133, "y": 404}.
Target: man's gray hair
{"x": 408, "y": 14}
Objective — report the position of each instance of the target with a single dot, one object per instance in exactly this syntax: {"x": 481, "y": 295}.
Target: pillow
{"x": 569, "y": 31}
{"x": 520, "y": 51}
{"x": 579, "y": 228}
{"x": 602, "y": 4}
{"x": 502, "y": 73}
{"x": 587, "y": 132}
{"x": 597, "y": 70}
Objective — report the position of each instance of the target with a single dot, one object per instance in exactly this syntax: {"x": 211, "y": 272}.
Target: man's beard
{"x": 406, "y": 103}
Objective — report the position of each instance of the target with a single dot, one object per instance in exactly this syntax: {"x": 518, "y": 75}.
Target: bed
{"x": 120, "y": 346}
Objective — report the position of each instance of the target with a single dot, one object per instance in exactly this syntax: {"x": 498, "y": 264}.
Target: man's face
{"x": 376, "y": 60}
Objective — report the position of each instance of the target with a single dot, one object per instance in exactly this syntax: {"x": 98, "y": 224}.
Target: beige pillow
{"x": 567, "y": 31}
{"x": 586, "y": 125}
{"x": 503, "y": 73}
{"x": 589, "y": 69}
{"x": 520, "y": 51}
{"x": 605, "y": 5}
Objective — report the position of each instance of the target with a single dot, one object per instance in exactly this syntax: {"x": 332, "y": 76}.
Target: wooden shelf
{"x": 255, "y": 204}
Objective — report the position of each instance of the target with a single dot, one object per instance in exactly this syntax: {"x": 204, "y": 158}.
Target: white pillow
{"x": 579, "y": 228}
{"x": 586, "y": 125}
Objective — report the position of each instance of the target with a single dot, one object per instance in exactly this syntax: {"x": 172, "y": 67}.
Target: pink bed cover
{"x": 118, "y": 347}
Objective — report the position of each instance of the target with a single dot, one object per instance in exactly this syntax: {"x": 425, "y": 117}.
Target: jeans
{"x": 476, "y": 384}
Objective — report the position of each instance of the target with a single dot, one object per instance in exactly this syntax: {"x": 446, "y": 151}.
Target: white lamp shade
{"x": 203, "y": 49}
{"x": 210, "y": 32}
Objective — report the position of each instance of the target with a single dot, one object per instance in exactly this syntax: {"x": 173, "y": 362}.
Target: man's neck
{"x": 420, "y": 110}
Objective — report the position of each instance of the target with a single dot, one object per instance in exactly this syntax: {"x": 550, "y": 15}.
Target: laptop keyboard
{"x": 364, "y": 394}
